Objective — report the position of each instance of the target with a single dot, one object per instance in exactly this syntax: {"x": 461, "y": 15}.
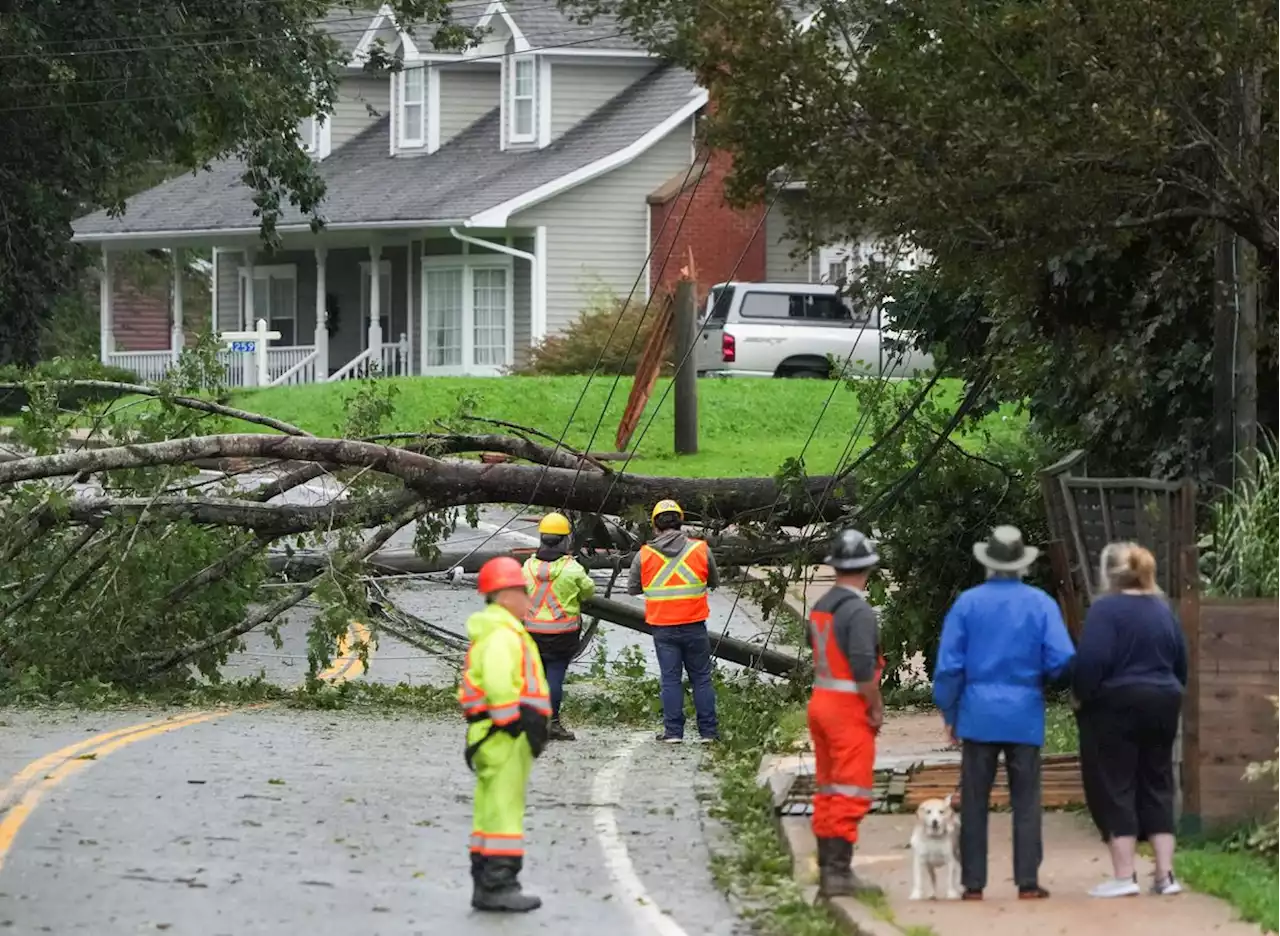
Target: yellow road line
{"x": 47, "y": 772}
{"x": 17, "y": 814}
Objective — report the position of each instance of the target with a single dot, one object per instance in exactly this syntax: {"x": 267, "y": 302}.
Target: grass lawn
{"x": 1249, "y": 882}
{"x": 746, "y": 427}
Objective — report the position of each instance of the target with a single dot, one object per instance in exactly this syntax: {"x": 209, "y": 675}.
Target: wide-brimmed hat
{"x": 1004, "y": 550}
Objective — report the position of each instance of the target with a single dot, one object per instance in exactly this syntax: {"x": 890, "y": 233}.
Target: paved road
{"x": 272, "y": 821}
{"x": 279, "y": 822}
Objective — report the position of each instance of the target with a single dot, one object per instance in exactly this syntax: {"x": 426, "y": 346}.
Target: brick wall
{"x": 1229, "y": 720}
{"x": 141, "y": 317}
{"x": 718, "y": 235}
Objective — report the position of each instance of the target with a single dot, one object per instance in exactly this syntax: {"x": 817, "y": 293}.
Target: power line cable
{"x": 586, "y": 386}
{"x": 54, "y": 47}
{"x": 644, "y": 313}
{"x": 103, "y": 102}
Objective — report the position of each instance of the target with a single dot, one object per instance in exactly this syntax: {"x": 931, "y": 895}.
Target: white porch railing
{"x": 235, "y": 366}
{"x": 150, "y": 366}
{"x": 391, "y": 360}
{"x": 283, "y": 360}
{"x": 395, "y": 358}
{"x": 304, "y": 372}
{"x": 362, "y": 365}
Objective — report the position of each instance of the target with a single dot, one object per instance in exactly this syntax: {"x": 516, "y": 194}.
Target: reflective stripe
{"x": 835, "y": 685}
{"x": 504, "y": 714}
{"x": 497, "y": 844}
{"x": 537, "y": 703}
{"x": 658, "y": 588}
{"x": 844, "y": 789}
{"x": 547, "y": 615}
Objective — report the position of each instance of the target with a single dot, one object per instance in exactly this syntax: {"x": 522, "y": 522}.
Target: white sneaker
{"x": 1166, "y": 887}
{"x": 1123, "y": 887}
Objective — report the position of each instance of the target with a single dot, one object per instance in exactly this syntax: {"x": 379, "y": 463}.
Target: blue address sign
{"x": 244, "y": 345}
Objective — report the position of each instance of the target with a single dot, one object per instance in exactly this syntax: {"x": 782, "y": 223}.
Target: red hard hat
{"x": 497, "y": 574}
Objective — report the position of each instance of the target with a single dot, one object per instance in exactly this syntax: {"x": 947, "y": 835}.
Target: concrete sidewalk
{"x": 1074, "y": 861}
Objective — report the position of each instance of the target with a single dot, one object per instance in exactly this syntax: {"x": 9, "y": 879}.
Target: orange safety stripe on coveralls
{"x": 533, "y": 693}
{"x": 675, "y": 587}
{"x": 844, "y": 743}
{"x": 546, "y": 615}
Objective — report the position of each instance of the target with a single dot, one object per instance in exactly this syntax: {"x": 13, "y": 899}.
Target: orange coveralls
{"x": 844, "y": 744}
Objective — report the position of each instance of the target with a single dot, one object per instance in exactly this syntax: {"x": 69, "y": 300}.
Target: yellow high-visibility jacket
{"x": 558, "y": 589}
{"x": 503, "y": 670}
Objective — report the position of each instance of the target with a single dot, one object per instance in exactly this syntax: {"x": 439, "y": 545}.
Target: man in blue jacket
{"x": 1002, "y": 643}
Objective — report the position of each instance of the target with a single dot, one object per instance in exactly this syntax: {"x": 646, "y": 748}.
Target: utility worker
{"x": 558, "y": 585}
{"x": 674, "y": 572}
{"x": 845, "y": 711}
{"x": 504, "y": 697}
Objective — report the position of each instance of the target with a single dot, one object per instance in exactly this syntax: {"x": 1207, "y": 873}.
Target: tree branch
{"x": 195, "y": 403}
{"x": 215, "y": 570}
{"x": 448, "y": 483}
{"x": 170, "y": 659}
{"x": 41, "y": 583}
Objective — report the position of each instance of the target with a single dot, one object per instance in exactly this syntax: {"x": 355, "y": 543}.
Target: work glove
{"x": 536, "y": 727}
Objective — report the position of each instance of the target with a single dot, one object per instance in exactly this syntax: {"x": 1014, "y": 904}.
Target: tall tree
{"x": 101, "y": 96}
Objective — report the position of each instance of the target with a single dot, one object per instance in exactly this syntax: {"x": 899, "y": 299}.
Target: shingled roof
{"x": 468, "y": 175}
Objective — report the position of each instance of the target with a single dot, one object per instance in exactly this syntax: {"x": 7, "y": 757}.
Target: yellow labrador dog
{"x": 935, "y": 850}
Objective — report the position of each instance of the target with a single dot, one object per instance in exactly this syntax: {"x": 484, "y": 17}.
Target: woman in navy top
{"x": 1130, "y": 672}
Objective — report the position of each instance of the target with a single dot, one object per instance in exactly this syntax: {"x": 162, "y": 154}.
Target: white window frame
{"x": 468, "y": 264}
{"x": 384, "y": 301}
{"x": 311, "y": 141}
{"x": 513, "y": 100}
{"x": 412, "y": 137}
{"x": 287, "y": 271}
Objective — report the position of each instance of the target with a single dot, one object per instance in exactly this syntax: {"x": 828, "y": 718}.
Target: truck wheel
{"x": 803, "y": 373}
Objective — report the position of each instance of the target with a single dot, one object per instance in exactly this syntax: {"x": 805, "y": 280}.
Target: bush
{"x": 12, "y": 401}
{"x": 1242, "y": 556}
{"x": 577, "y": 349}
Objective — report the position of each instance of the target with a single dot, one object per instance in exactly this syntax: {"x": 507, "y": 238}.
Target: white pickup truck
{"x": 793, "y": 330}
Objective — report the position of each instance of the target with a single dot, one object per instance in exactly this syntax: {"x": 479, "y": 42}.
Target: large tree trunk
{"x": 439, "y": 482}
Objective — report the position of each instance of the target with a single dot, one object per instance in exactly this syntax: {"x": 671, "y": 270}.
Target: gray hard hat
{"x": 850, "y": 551}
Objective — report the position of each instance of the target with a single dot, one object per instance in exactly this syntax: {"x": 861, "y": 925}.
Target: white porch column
{"x": 106, "y": 289}
{"x": 177, "y": 339}
{"x": 322, "y": 310}
{"x": 538, "y": 286}
{"x": 248, "y": 314}
{"x": 375, "y": 301}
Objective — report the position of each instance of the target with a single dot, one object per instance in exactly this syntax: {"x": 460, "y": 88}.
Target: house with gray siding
{"x": 476, "y": 202}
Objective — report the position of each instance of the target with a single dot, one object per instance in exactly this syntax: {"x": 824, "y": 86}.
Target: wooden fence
{"x": 1229, "y": 720}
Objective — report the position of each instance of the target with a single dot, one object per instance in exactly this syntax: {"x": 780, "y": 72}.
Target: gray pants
{"x": 977, "y": 775}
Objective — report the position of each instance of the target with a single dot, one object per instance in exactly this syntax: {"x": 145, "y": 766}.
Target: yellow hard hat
{"x": 554, "y": 524}
{"x": 666, "y": 506}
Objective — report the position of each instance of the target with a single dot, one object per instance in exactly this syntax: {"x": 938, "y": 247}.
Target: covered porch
{"x": 444, "y": 301}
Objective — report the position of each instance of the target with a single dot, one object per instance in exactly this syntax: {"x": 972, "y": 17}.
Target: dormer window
{"x": 413, "y": 107}
{"x": 309, "y": 135}
{"x": 523, "y": 97}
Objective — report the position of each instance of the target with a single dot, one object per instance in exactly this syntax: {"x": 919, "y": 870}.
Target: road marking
{"x": 31, "y": 783}
{"x": 606, "y": 789}
{"x": 73, "y": 762}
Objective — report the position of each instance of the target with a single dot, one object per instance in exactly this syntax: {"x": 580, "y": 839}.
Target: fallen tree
{"x": 121, "y": 560}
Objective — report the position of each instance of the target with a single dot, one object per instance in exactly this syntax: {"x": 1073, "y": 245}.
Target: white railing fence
{"x": 304, "y": 372}
{"x": 284, "y": 359}
{"x": 362, "y": 365}
{"x": 395, "y": 358}
{"x": 150, "y": 366}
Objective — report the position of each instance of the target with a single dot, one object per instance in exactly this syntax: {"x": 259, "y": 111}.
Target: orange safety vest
{"x": 832, "y": 674}
{"x": 546, "y": 615}
{"x": 675, "y": 587}
{"x": 534, "y": 691}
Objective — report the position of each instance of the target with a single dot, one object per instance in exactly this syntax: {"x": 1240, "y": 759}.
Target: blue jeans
{"x": 556, "y": 671}
{"x": 687, "y": 647}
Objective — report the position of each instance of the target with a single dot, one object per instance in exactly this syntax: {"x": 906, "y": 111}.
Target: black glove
{"x": 512, "y": 728}
{"x": 536, "y": 726}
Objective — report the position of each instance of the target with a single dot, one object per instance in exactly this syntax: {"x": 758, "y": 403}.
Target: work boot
{"x": 836, "y": 877}
{"x": 477, "y": 867}
{"x": 498, "y": 890}
{"x": 559, "y": 732}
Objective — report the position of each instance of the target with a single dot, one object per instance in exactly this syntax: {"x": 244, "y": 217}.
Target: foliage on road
{"x": 116, "y": 96}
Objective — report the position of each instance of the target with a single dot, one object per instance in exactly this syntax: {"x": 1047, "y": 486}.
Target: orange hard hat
{"x": 497, "y": 574}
